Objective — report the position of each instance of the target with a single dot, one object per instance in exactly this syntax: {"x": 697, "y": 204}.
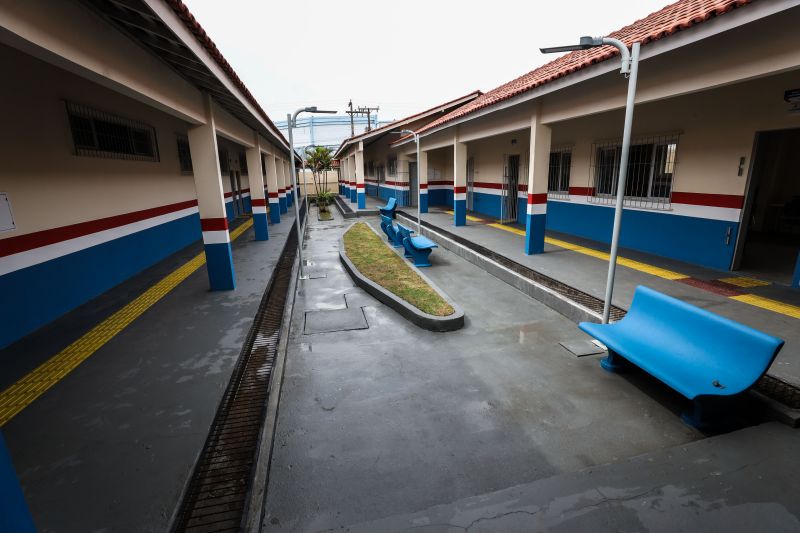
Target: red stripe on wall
{"x": 457, "y": 190}
{"x": 22, "y": 243}
{"x": 440, "y": 182}
{"x": 582, "y": 191}
{"x": 359, "y": 186}
{"x": 259, "y": 202}
{"x": 423, "y": 186}
{"x": 487, "y": 185}
{"x": 522, "y": 187}
{"x": 273, "y": 195}
{"x": 228, "y": 194}
{"x": 214, "y": 224}
{"x": 540, "y": 198}
{"x": 712, "y": 200}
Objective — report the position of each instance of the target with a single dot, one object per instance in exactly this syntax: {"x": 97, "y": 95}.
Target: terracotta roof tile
{"x": 202, "y": 37}
{"x": 671, "y": 19}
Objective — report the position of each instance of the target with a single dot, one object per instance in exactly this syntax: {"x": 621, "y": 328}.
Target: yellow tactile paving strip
{"x": 22, "y": 393}
{"x": 744, "y": 282}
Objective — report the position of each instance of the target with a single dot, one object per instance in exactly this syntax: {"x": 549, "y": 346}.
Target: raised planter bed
{"x": 425, "y": 320}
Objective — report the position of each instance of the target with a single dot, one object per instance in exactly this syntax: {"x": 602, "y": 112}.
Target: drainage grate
{"x": 779, "y": 390}
{"x": 586, "y": 300}
{"x": 216, "y": 495}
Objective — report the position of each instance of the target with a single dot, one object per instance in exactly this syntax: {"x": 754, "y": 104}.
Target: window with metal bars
{"x": 371, "y": 169}
{"x": 652, "y": 163}
{"x": 184, "y": 155}
{"x": 243, "y": 163}
{"x": 381, "y": 171}
{"x": 96, "y": 133}
{"x": 392, "y": 166}
{"x": 558, "y": 173}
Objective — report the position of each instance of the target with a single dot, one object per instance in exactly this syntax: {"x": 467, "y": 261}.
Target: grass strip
{"x": 379, "y": 263}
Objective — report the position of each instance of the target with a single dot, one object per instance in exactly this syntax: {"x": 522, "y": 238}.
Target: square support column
{"x": 403, "y": 184}
{"x": 273, "y": 188}
{"x": 343, "y": 168}
{"x": 422, "y": 181}
{"x": 258, "y": 201}
{"x": 211, "y": 203}
{"x": 361, "y": 192}
{"x": 287, "y": 181}
{"x": 459, "y": 183}
{"x": 537, "y": 185}
{"x": 353, "y": 188}
{"x": 281, "y": 185}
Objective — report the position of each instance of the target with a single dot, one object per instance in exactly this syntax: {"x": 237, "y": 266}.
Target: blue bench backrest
{"x": 404, "y": 231}
{"x": 700, "y": 337}
{"x": 386, "y": 220}
{"x": 391, "y": 204}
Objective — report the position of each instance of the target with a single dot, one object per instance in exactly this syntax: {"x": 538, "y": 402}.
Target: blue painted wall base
{"x": 534, "y": 233}
{"x": 219, "y": 263}
{"x": 261, "y": 226}
{"x": 423, "y": 202}
{"x": 362, "y": 200}
{"x": 353, "y": 195}
{"x": 14, "y": 514}
{"x": 460, "y": 213}
{"x": 275, "y": 212}
{"x": 282, "y": 204}
{"x": 796, "y": 277}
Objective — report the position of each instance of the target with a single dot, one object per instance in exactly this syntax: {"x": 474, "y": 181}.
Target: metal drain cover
{"x": 336, "y": 320}
{"x": 582, "y": 347}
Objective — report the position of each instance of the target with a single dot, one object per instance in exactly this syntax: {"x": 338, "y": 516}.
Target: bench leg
{"x": 396, "y": 240}
{"x": 408, "y": 251}
{"x": 707, "y": 412}
{"x": 613, "y": 362}
{"x": 421, "y": 258}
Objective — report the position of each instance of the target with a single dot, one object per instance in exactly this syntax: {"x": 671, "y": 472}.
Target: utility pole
{"x": 361, "y": 110}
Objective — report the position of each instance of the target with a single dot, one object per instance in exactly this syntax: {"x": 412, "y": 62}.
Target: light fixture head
{"x": 585, "y": 43}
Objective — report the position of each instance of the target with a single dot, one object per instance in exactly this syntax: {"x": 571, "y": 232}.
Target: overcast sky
{"x": 402, "y": 56}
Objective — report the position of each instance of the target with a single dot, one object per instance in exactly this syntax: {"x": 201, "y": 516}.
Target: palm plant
{"x": 318, "y": 159}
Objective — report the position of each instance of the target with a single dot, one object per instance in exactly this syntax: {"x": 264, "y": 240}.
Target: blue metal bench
{"x": 388, "y": 209}
{"x": 391, "y": 232}
{"x": 418, "y": 248}
{"x": 705, "y": 357}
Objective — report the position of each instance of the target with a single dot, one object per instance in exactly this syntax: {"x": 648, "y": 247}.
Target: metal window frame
{"x": 562, "y": 192}
{"x": 181, "y": 139}
{"x": 92, "y": 114}
{"x": 642, "y": 201}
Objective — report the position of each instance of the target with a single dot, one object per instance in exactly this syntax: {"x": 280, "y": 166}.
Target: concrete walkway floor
{"x": 379, "y": 418}
{"x": 588, "y": 274}
{"x": 111, "y": 446}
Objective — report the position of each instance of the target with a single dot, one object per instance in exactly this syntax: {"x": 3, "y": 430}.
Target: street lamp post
{"x": 630, "y": 69}
{"x": 419, "y": 194}
{"x": 291, "y": 122}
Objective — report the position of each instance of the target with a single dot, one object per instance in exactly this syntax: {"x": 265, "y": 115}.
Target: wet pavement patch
{"x": 336, "y": 320}
{"x": 360, "y": 299}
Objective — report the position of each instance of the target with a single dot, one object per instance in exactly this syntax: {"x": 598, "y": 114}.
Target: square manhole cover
{"x": 336, "y": 320}
{"x": 582, "y": 347}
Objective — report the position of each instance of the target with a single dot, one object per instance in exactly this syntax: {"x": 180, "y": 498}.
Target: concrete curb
{"x": 346, "y": 213}
{"x": 408, "y": 311}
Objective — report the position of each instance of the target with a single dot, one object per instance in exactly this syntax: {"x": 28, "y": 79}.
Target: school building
{"x": 132, "y": 137}
{"x": 714, "y": 167}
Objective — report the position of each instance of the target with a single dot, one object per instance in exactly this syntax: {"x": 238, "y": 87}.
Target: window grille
{"x": 392, "y": 166}
{"x": 99, "y": 134}
{"x": 224, "y": 162}
{"x": 243, "y": 163}
{"x": 559, "y": 172}
{"x": 652, "y": 164}
{"x": 381, "y": 173}
{"x": 184, "y": 155}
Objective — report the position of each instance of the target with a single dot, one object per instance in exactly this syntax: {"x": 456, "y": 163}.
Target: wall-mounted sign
{"x": 6, "y": 216}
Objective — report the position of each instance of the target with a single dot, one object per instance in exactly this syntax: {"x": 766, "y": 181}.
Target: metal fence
{"x": 652, "y": 163}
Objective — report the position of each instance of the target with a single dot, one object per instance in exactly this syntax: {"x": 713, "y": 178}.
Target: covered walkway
{"x": 111, "y": 441}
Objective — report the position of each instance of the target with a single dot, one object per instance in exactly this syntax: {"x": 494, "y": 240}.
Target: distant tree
{"x": 318, "y": 159}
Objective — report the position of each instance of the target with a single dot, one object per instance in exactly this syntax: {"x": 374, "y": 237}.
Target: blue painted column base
{"x": 261, "y": 226}
{"x": 14, "y": 514}
{"x": 219, "y": 263}
{"x": 460, "y": 212}
{"x": 283, "y": 205}
{"x": 362, "y": 200}
{"x": 275, "y": 212}
{"x": 423, "y": 203}
{"x": 534, "y": 234}
{"x": 353, "y": 195}
{"x": 796, "y": 277}
{"x": 289, "y": 198}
